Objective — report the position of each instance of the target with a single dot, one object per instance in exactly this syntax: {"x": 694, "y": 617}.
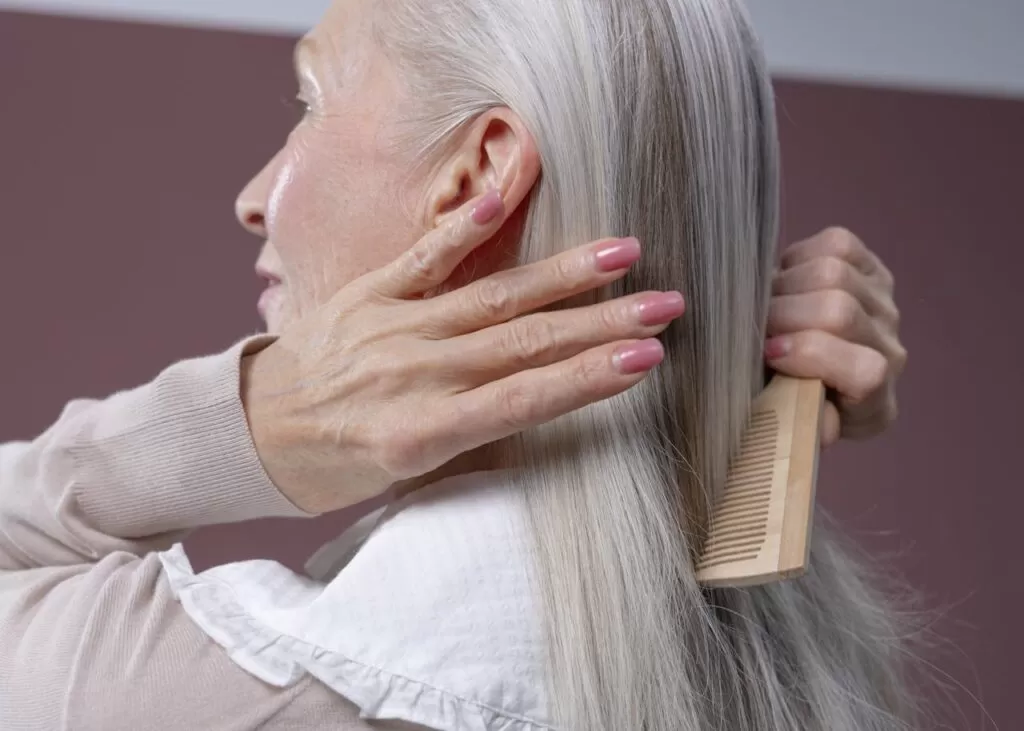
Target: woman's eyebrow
{"x": 304, "y": 55}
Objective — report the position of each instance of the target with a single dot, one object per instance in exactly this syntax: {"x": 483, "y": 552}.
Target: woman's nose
{"x": 250, "y": 215}
{"x": 251, "y": 205}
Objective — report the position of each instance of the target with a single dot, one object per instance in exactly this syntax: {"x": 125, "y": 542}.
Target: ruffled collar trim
{"x": 423, "y": 612}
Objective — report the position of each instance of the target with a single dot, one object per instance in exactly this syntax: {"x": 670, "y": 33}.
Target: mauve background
{"x": 122, "y": 147}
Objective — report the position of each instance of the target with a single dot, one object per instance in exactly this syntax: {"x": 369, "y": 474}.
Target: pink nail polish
{"x": 488, "y": 208}
{"x": 661, "y": 308}
{"x": 777, "y": 348}
{"x": 612, "y": 256}
{"x": 639, "y": 357}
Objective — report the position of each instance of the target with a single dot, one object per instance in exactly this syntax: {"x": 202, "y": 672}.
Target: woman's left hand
{"x": 832, "y": 316}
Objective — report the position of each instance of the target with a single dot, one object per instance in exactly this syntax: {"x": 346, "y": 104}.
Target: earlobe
{"x": 497, "y": 152}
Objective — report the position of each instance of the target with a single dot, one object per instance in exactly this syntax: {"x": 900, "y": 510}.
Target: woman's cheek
{"x": 280, "y": 198}
{"x": 285, "y": 220}
{"x": 292, "y": 206}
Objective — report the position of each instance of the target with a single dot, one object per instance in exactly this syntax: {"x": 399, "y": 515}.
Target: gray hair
{"x": 655, "y": 118}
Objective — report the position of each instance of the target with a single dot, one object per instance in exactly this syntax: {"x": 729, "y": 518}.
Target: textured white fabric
{"x": 423, "y": 612}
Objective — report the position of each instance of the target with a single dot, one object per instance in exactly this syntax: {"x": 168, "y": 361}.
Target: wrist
{"x": 264, "y": 397}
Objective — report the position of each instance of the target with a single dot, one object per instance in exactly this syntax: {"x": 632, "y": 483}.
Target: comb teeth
{"x": 739, "y": 521}
{"x": 760, "y": 524}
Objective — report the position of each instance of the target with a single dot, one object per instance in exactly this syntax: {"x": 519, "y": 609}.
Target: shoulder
{"x": 432, "y": 620}
{"x": 108, "y": 647}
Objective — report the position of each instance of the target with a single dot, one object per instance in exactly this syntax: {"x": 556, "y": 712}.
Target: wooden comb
{"x": 760, "y": 526}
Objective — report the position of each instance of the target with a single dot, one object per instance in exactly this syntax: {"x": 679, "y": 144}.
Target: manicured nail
{"x": 639, "y": 357}
{"x": 614, "y": 255}
{"x": 777, "y": 348}
{"x": 488, "y": 208}
{"x": 661, "y": 308}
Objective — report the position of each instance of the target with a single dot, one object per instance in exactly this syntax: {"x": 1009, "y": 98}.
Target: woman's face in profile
{"x": 333, "y": 203}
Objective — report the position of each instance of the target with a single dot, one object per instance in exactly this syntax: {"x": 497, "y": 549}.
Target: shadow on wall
{"x": 120, "y": 172}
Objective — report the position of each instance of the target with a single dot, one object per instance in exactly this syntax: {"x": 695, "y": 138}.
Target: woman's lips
{"x": 270, "y": 299}
{"x": 266, "y": 274}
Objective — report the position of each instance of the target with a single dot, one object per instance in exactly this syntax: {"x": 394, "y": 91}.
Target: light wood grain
{"x": 760, "y": 525}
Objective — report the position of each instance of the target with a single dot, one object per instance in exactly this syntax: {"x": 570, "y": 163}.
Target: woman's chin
{"x": 273, "y": 324}
{"x": 271, "y": 307}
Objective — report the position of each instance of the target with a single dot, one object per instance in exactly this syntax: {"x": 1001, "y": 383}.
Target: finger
{"x": 857, "y": 372}
{"x": 829, "y": 272}
{"x": 834, "y": 311}
{"x": 434, "y": 257}
{"x": 511, "y": 292}
{"x": 839, "y": 313}
{"x": 839, "y": 243}
{"x": 539, "y": 340}
{"x": 831, "y": 425}
{"x": 535, "y": 397}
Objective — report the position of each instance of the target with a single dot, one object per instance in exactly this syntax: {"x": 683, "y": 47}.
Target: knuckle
{"x": 846, "y": 245}
{"x": 840, "y": 240}
{"x": 422, "y": 262}
{"x": 837, "y": 232}
{"x": 890, "y": 313}
{"x": 899, "y": 359}
{"x": 530, "y": 340}
{"x": 494, "y": 299}
{"x": 611, "y": 318}
{"x": 457, "y": 229}
{"x": 566, "y": 271}
{"x": 870, "y": 373}
{"x": 807, "y": 346}
{"x": 831, "y": 273}
{"x": 586, "y": 374}
{"x": 516, "y": 406}
{"x": 885, "y": 276}
{"x": 431, "y": 326}
{"x": 840, "y": 311}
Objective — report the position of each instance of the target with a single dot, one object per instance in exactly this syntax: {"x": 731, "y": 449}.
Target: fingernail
{"x": 661, "y": 308}
{"x": 776, "y": 348}
{"x": 639, "y": 357}
{"x": 488, "y": 208}
{"x": 614, "y": 255}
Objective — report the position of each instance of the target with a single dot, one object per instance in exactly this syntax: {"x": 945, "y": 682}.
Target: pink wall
{"x": 123, "y": 146}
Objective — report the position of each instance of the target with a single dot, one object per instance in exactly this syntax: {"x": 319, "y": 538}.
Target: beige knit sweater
{"x": 91, "y": 638}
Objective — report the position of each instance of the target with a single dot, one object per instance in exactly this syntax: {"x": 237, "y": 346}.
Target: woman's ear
{"x": 496, "y": 152}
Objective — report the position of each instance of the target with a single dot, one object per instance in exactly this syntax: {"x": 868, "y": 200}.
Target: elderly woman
{"x": 436, "y": 329}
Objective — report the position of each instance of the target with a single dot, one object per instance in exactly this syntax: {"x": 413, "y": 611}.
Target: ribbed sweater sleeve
{"x": 136, "y": 471}
{"x": 91, "y": 636}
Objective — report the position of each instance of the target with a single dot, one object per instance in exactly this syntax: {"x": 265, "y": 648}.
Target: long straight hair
{"x": 655, "y": 118}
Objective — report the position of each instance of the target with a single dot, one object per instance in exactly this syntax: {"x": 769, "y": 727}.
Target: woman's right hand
{"x": 382, "y": 385}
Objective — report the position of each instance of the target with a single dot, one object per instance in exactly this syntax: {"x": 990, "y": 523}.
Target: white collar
{"x": 424, "y": 612}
